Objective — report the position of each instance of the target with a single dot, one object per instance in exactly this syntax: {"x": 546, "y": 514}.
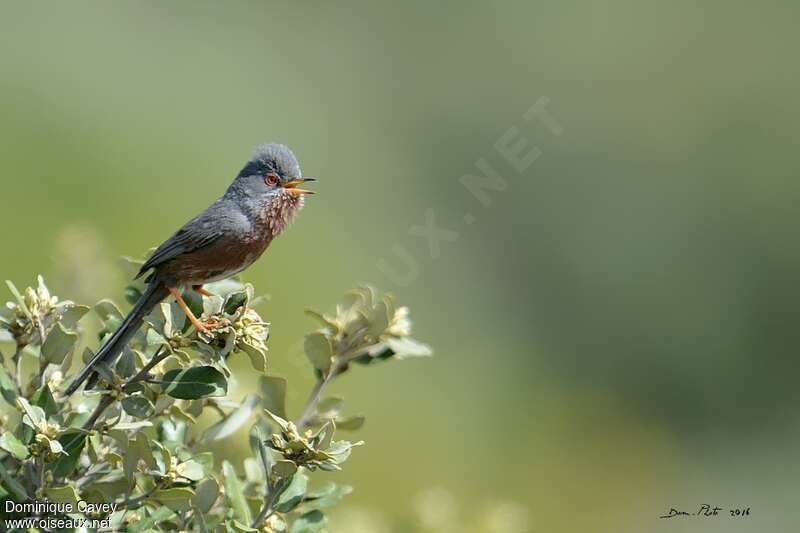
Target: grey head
{"x": 267, "y": 186}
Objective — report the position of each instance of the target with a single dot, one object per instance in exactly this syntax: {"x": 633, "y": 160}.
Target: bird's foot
{"x": 210, "y": 324}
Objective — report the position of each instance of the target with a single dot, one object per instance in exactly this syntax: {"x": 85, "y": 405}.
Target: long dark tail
{"x": 154, "y": 293}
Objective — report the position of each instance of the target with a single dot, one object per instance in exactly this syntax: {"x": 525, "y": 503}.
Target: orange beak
{"x": 291, "y": 186}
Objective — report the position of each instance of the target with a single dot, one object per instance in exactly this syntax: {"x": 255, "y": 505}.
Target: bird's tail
{"x": 154, "y": 293}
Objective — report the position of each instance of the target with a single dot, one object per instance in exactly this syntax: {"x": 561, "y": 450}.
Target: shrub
{"x": 132, "y": 442}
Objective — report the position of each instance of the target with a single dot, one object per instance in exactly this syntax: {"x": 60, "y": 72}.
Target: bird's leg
{"x": 193, "y": 319}
{"x": 200, "y": 290}
{"x": 211, "y": 322}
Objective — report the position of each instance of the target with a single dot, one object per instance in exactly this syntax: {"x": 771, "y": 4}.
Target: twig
{"x": 134, "y": 503}
{"x": 314, "y": 397}
{"x": 143, "y": 374}
{"x": 42, "y": 368}
{"x": 108, "y": 399}
{"x": 339, "y": 366}
{"x": 17, "y": 366}
{"x": 87, "y": 476}
{"x": 266, "y": 510}
{"x": 40, "y": 475}
{"x": 105, "y": 401}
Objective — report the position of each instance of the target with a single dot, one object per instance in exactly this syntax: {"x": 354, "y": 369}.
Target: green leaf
{"x": 156, "y": 517}
{"x": 106, "y": 491}
{"x": 235, "y": 300}
{"x": 206, "y": 494}
{"x": 130, "y": 457}
{"x": 154, "y": 338}
{"x": 311, "y": 522}
{"x": 330, "y": 407}
{"x": 253, "y": 473}
{"x": 7, "y": 388}
{"x": 58, "y": 344}
{"x": 72, "y": 442}
{"x": 20, "y": 300}
{"x": 319, "y": 351}
{"x": 12, "y": 445}
{"x": 71, "y": 315}
{"x": 350, "y": 423}
{"x": 265, "y": 457}
{"x": 177, "y": 499}
{"x": 168, "y": 325}
{"x": 235, "y": 495}
{"x": 130, "y": 266}
{"x": 191, "y": 470}
{"x": 233, "y": 422}
{"x": 293, "y": 494}
{"x": 141, "y": 445}
{"x": 206, "y": 460}
{"x": 173, "y": 433}
{"x": 195, "y": 303}
{"x": 12, "y": 486}
{"x": 379, "y": 320}
{"x": 55, "y": 447}
{"x": 326, "y": 434}
{"x": 319, "y": 317}
{"x": 326, "y": 495}
{"x": 408, "y": 347}
{"x": 258, "y": 357}
{"x": 341, "y": 449}
{"x": 132, "y": 294}
{"x": 44, "y": 398}
{"x": 65, "y": 494}
{"x": 126, "y": 366}
{"x": 241, "y": 528}
{"x": 273, "y": 394}
{"x": 164, "y": 458}
{"x": 107, "y": 310}
{"x": 282, "y": 423}
{"x": 178, "y": 412}
{"x": 139, "y": 424}
{"x": 138, "y": 406}
{"x": 284, "y": 469}
{"x": 193, "y": 383}
{"x": 34, "y": 415}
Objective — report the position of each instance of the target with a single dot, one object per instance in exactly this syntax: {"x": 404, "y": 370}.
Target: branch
{"x": 17, "y": 366}
{"x": 134, "y": 503}
{"x": 266, "y": 510}
{"x": 105, "y": 401}
{"x": 314, "y": 397}
{"x": 339, "y": 366}
{"x": 142, "y": 375}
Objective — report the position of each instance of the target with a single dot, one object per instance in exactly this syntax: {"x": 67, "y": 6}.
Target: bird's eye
{"x": 271, "y": 179}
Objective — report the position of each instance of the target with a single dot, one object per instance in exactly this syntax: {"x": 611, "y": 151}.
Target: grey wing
{"x": 199, "y": 232}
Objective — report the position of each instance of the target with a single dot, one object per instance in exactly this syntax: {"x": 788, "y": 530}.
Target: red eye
{"x": 271, "y": 179}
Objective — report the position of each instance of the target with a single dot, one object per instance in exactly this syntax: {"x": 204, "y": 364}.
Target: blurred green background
{"x": 615, "y": 334}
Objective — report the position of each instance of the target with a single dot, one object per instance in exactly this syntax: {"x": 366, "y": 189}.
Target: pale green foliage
{"x": 132, "y": 441}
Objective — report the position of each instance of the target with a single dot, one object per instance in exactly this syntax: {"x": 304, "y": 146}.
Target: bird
{"x": 222, "y": 241}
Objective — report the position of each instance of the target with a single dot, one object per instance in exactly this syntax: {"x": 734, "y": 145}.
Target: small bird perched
{"x": 219, "y": 243}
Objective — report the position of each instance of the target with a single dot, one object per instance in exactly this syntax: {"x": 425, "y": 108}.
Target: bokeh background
{"x": 615, "y": 334}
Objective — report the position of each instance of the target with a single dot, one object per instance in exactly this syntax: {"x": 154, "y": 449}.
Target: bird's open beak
{"x": 291, "y": 186}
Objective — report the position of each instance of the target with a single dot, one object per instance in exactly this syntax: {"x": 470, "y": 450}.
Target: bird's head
{"x": 269, "y": 182}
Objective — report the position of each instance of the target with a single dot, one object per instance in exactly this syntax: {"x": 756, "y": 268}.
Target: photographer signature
{"x": 706, "y": 510}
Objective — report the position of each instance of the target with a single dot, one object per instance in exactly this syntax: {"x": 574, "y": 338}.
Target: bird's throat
{"x": 280, "y": 212}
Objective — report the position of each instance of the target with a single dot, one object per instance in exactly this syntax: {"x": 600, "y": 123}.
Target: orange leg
{"x": 200, "y": 290}
{"x": 193, "y": 319}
